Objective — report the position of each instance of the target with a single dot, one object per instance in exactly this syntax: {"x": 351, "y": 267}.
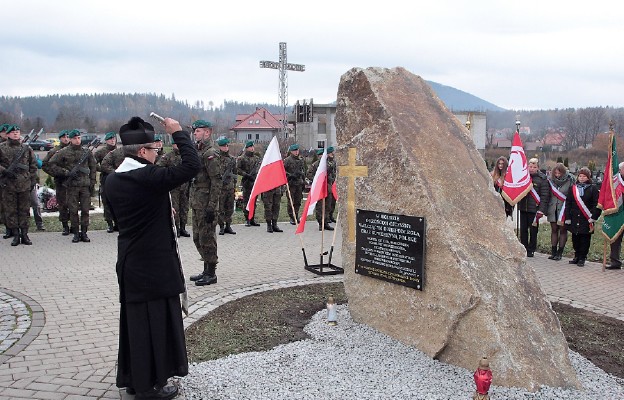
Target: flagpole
{"x": 331, "y": 249}
{"x": 604, "y": 255}
{"x": 305, "y": 259}
{"x": 322, "y": 231}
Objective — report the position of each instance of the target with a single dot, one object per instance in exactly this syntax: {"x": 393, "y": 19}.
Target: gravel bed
{"x": 354, "y": 361}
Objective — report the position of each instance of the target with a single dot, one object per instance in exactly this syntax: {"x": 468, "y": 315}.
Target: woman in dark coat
{"x": 580, "y": 214}
{"x": 151, "y": 334}
{"x": 560, "y": 183}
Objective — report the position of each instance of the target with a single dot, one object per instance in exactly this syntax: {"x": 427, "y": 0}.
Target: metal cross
{"x": 282, "y": 65}
{"x": 352, "y": 171}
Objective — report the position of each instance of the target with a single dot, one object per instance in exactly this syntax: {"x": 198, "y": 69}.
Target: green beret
{"x": 330, "y": 149}
{"x": 223, "y": 141}
{"x": 319, "y": 151}
{"x": 200, "y": 123}
{"x": 157, "y": 138}
{"x": 12, "y": 128}
{"x": 110, "y": 135}
{"x": 293, "y": 147}
{"x": 74, "y": 133}
{"x": 62, "y": 133}
{"x": 249, "y": 143}
{"x": 3, "y": 127}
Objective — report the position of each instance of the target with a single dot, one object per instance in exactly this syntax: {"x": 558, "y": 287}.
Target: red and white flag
{"x": 517, "y": 179}
{"x": 270, "y": 175}
{"x": 335, "y": 191}
{"x": 318, "y": 191}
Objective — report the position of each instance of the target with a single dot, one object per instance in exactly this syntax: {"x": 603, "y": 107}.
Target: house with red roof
{"x": 259, "y": 126}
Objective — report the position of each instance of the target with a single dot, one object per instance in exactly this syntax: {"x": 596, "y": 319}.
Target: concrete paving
{"x": 59, "y": 300}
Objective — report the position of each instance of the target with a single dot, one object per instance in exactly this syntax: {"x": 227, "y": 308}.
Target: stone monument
{"x": 400, "y": 151}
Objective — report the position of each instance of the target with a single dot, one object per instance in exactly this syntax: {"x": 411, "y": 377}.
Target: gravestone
{"x": 400, "y": 151}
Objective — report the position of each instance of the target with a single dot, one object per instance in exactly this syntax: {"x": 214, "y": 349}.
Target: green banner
{"x": 613, "y": 224}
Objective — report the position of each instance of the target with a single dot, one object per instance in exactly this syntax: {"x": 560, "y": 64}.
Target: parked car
{"x": 87, "y": 138}
{"x": 41, "y": 145}
{"x": 54, "y": 141}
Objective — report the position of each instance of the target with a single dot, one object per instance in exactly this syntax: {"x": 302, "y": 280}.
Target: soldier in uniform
{"x": 205, "y": 193}
{"x": 111, "y": 144}
{"x": 158, "y": 143}
{"x": 247, "y": 166}
{"x": 319, "y": 205}
{"x": 61, "y": 189}
{"x": 294, "y": 165}
{"x": 179, "y": 195}
{"x": 330, "y": 202}
{"x": 228, "y": 186}
{"x": 3, "y": 138}
{"x": 18, "y": 170}
{"x": 79, "y": 180}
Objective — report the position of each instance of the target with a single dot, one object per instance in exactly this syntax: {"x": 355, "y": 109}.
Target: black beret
{"x": 136, "y": 131}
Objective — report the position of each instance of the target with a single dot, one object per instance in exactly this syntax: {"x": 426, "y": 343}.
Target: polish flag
{"x": 270, "y": 175}
{"x": 318, "y": 191}
{"x": 517, "y": 179}
{"x": 335, "y": 191}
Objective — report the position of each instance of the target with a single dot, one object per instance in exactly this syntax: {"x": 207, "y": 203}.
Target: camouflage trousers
{"x": 2, "y": 216}
{"x": 78, "y": 199}
{"x": 108, "y": 216}
{"x": 296, "y": 192}
{"x": 180, "y": 203}
{"x": 226, "y": 206}
{"x": 246, "y": 195}
{"x": 330, "y": 204}
{"x": 61, "y": 201}
{"x": 271, "y": 200}
{"x": 16, "y": 208}
{"x": 204, "y": 236}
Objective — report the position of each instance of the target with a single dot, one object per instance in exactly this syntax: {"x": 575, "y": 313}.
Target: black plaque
{"x": 390, "y": 247}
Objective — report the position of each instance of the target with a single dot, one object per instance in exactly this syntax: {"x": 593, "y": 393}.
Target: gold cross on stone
{"x": 352, "y": 171}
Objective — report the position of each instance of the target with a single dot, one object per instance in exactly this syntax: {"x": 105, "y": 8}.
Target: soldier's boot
{"x": 195, "y": 278}
{"x": 269, "y": 226}
{"x": 221, "y": 229}
{"x": 7, "y": 233}
{"x": 320, "y": 224}
{"x": 253, "y": 222}
{"x": 275, "y": 227}
{"x": 110, "y": 228}
{"x": 24, "y": 237}
{"x": 248, "y": 222}
{"x": 553, "y": 254}
{"x": 210, "y": 276}
{"x": 83, "y": 234}
{"x": 16, "y": 237}
{"x": 331, "y": 218}
{"x": 76, "y": 233}
{"x": 328, "y": 227}
{"x": 228, "y": 229}
{"x": 65, "y": 229}
{"x": 292, "y": 221}
{"x": 40, "y": 226}
{"x": 183, "y": 231}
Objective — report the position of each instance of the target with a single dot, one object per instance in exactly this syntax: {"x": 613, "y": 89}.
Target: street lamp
{"x": 468, "y": 124}
{"x": 518, "y": 123}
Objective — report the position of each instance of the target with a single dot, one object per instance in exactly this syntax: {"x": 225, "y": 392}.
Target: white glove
{"x": 568, "y": 222}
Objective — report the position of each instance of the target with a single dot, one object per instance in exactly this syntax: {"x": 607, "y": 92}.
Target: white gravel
{"x": 354, "y": 361}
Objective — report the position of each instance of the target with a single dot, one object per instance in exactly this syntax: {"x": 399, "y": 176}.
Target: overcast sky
{"x": 516, "y": 54}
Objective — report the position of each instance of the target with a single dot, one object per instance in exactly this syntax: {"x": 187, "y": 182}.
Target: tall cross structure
{"x": 282, "y": 65}
{"x": 352, "y": 171}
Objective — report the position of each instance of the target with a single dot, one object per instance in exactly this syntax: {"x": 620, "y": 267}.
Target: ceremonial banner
{"x": 517, "y": 179}
{"x": 318, "y": 191}
{"x": 270, "y": 175}
{"x": 610, "y": 198}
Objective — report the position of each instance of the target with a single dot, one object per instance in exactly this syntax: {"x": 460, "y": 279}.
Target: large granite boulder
{"x": 480, "y": 298}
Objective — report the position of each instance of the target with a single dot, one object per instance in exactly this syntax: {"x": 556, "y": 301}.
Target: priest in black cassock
{"x": 152, "y": 347}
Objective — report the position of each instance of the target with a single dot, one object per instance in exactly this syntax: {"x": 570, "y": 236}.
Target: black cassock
{"x": 152, "y": 347}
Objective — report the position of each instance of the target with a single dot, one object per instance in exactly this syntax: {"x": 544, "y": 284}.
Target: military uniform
{"x": 18, "y": 170}
{"x": 227, "y": 165}
{"x": 61, "y": 189}
{"x": 80, "y": 183}
{"x": 247, "y": 166}
{"x": 271, "y": 200}
{"x": 179, "y": 195}
{"x": 8, "y": 232}
{"x": 112, "y": 161}
{"x": 205, "y": 192}
{"x": 295, "y": 173}
{"x": 99, "y": 156}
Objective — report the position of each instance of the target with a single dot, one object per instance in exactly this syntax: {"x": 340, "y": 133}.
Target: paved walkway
{"x": 59, "y": 308}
